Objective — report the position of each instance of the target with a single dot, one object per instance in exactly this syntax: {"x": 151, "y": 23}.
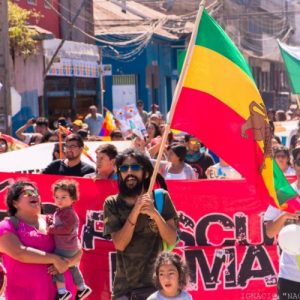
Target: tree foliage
{"x": 21, "y": 37}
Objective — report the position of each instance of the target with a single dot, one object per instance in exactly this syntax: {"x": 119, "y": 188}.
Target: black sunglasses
{"x": 133, "y": 167}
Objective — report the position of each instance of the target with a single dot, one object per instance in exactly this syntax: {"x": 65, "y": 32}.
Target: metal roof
{"x": 110, "y": 20}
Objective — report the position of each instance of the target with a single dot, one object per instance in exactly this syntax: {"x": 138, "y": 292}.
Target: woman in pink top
{"x": 27, "y": 248}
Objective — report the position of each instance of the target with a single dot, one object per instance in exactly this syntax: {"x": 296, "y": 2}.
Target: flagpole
{"x": 177, "y": 91}
{"x": 60, "y": 142}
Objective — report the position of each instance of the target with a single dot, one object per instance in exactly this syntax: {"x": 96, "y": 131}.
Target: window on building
{"x": 48, "y": 3}
{"x": 32, "y": 2}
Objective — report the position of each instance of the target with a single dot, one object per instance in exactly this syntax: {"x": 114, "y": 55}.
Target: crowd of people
{"x": 139, "y": 231}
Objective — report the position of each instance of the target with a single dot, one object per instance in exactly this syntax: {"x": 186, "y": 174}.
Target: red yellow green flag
{"x": 221, "y": 105}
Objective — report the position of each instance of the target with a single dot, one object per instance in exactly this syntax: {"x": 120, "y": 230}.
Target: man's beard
{"x": 72, "y": 157}
{"x": 130, "y": 191}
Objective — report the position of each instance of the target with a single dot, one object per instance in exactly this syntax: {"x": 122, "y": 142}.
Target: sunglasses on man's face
{"x": 30, "y": 193}
{"x": 133, "y": 167}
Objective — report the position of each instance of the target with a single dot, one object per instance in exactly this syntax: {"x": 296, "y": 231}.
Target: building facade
{"x": 49, "y": 10}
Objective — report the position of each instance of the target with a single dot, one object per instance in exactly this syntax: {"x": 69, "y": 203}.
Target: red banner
{"x": 223, "y": 238}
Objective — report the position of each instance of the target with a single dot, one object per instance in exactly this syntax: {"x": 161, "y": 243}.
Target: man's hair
{"x": 145, "y": 162}
{"x": 42, "y": 121}
{"x": 70, "y": 186}
{"x": 75, "y": 137}
{"x": 93, "y": 107}
{"x": 108, "y": 149}
{"x": 139, "y": 102}
{"x": 187, "y": 138}
{"x": 116, "y": 133}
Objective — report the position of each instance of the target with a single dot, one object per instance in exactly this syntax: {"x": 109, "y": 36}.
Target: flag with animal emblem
{"x": 220, "y": 104}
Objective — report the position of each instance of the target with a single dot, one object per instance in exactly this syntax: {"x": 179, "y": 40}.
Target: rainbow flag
{"x": 108, "y": 126}
{"x": 221, "y": 105}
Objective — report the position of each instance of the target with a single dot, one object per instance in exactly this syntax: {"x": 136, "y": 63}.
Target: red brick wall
{"x": 50, "y": 21}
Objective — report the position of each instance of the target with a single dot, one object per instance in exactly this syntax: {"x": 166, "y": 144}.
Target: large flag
{"x": 221, "y": 105}
{"x": 291, "y": 58}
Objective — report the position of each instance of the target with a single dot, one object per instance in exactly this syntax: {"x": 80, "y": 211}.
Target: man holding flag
{"x": 217, "y": 82}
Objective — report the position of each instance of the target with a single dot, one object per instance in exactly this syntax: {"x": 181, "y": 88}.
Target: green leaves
{"x": 21, "y": 36}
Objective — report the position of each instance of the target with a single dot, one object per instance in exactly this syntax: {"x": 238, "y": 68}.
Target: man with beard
{"x": 136, "y": 227}
{"x": 71, "y": 165}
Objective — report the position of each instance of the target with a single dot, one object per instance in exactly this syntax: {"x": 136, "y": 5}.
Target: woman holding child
{"x": 27, "y": 248}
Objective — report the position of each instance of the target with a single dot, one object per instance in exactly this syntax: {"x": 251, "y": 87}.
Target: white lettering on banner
{"x": 234, "y": 260}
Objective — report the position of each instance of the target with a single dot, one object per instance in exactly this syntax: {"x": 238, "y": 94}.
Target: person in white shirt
{"x": 175, "y": 167}
{"x": 296, "y": 164}
{"x": 282, "y": 157}
{"x": 275, "y": 219}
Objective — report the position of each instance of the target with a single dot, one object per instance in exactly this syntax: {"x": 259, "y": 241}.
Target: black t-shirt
{"x": 58, "y": 167}
{"x": 135, "y": 263}
{"x": 201, "y": 165}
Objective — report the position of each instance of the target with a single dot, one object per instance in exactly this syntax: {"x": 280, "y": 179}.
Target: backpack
{"x": 159, "y": 203}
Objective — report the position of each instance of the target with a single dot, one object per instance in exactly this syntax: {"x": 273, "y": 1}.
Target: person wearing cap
{"x": 76, "y": 125}
{"x": 94, "y": 121}
{"x": 175, "y": 167}
{"x": 156, "y": 118}
{"x": 275, "y": 219}
{"x": 282, "y": 157}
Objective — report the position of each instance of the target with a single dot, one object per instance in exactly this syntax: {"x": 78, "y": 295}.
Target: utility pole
{"x": 5, "y": 97}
